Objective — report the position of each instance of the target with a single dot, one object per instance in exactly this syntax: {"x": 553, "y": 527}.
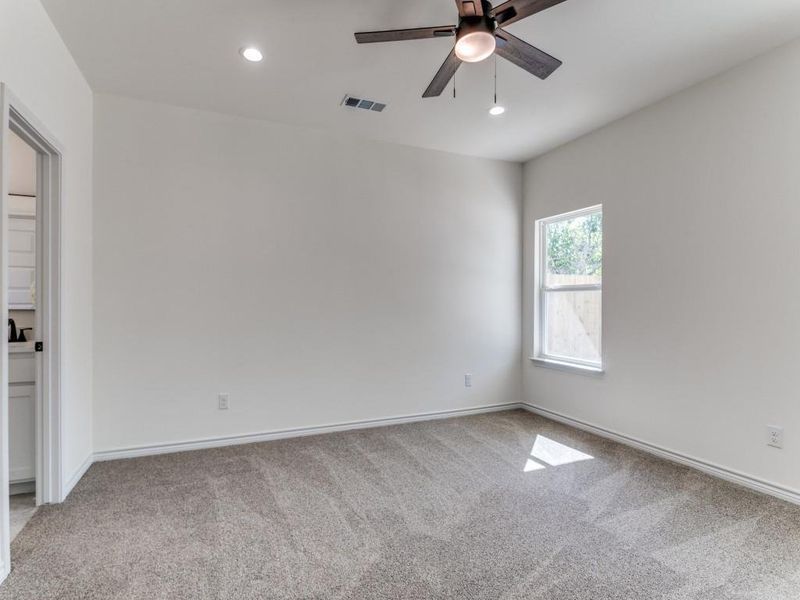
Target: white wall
{"x": 701, "y": 196}
{"x": 40, "y": 71}
{"x": 314, "y": 278}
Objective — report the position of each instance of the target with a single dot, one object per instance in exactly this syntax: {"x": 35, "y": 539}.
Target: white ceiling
{"x": 619, "y": 55}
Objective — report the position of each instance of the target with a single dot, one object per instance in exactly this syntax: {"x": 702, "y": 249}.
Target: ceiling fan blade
{"x": 443, "y": 75}
{"x": 514, "y": 10}
{"x": 469, "y": 8}
{"x": 400, "y": 35}
{"x": 522, "y": 54}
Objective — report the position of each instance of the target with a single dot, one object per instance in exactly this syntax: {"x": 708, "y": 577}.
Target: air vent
{"x": 352, "y": 102}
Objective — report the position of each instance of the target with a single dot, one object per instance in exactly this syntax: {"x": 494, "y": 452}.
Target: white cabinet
{"x": 21, "y": 262}
{"x": 21, "y": 416}
{"x": 21, "y": 365}
{"x": 22, "y": 432}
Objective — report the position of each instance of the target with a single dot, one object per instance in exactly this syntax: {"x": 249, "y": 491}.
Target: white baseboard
{"x": 21, "y": 487}
{"x": 217, "y": 442}
{"x": 76, "y": 477}
{"x": 748, "y": 481}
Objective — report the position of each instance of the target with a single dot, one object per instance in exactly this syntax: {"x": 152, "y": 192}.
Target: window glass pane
{"x": 573, "y": 325}
{"x": 575, "y": 251}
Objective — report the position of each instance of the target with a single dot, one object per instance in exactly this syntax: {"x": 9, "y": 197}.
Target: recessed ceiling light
{"x": 252, "y": 54}
{"x": 497, "y": 110}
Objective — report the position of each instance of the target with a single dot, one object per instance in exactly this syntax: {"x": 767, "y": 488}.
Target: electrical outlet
{"x": 224, "y": 401}
{"x": 775, "y": 436}
{"x": 468, "y": 380}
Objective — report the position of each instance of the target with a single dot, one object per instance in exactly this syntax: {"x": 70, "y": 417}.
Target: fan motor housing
{"x": 473, "y": 24}
{"x": 470, "y": 24}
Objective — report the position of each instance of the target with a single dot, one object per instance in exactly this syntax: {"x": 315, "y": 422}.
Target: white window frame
{"x": 540, "y": 318}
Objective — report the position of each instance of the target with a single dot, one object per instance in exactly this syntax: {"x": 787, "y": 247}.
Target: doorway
{"x": 30, "y": 251}
{"x": 21, "y": 277}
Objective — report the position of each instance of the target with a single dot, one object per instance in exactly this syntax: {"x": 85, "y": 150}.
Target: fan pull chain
{"x": 454, "y": 86}
{"x": 495, "y": 79}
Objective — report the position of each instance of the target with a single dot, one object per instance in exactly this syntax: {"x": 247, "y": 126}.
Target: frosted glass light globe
{"x": 475, "y": 46}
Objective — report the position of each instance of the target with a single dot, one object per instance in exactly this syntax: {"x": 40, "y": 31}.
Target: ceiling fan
{"x": 478, "y": 35}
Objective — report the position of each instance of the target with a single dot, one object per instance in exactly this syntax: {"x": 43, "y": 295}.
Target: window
{"x": 569, "y": 280}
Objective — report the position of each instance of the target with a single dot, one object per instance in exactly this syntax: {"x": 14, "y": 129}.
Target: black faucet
{"x": 12, "y": 331}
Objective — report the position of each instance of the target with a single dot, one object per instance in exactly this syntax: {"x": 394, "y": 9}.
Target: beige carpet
{"x": 498, "y": 506}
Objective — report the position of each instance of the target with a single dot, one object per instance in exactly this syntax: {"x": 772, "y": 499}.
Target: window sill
{"x": 565, "y": 366}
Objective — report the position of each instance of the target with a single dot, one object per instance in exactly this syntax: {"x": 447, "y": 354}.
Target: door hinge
{"x": 39, "y": 346}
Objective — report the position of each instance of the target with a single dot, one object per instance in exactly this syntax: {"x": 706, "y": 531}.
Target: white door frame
{"x": 49, "y": 480}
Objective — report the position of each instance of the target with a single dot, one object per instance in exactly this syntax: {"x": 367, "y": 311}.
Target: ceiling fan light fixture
{"x": 480, "y": 32}
{"x": 475, "y": 45}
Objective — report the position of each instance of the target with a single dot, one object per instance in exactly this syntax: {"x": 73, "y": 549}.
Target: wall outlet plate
{"x": 468, "y": 380}
{"x": 224, "y": 401}
{"x": 774, "y": 436}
